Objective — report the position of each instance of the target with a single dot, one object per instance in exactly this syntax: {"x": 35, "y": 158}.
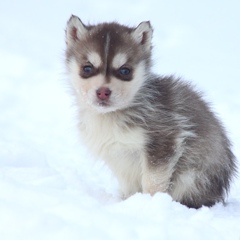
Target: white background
{"x": 50, "y": 188}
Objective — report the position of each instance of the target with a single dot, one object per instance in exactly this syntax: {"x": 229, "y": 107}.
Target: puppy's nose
{"x": 103, "y": 93}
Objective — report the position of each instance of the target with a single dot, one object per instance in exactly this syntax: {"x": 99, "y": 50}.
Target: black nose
{"x": 103, "y": 93}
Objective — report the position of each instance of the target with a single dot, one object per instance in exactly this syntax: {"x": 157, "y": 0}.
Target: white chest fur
{"x": 121, "y": 147}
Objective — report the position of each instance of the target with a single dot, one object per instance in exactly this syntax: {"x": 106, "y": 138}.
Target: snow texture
{"x": 50, "y": 187}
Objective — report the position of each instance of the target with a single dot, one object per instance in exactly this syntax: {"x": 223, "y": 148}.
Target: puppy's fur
{"x": 156, "y": 133}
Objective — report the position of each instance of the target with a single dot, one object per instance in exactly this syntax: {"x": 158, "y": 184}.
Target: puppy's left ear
{"x": 143, "y": 34}
{"x": 75, "y": 30}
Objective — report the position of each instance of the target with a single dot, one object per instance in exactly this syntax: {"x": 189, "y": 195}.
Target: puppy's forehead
{"x": 111, "y": 33}
{"x": 109, "y": 45}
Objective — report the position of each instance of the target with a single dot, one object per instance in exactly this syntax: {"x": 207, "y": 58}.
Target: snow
{"x": 50, "y": 187}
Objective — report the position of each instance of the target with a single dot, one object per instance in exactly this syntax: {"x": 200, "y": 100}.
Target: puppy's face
{"x": 107, "y": 63}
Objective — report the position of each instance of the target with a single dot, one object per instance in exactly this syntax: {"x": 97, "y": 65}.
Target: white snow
{"x": 50, "y": 187}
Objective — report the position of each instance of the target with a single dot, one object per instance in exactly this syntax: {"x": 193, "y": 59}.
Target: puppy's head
{"x": 107, "y": 63}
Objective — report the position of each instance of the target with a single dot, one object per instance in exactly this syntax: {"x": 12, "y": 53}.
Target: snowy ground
{"x": 50, "y": 188}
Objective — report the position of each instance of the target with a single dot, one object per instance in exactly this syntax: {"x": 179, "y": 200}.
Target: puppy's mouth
{"x": 103, "y": 103}
{"x": 104, "y": 106}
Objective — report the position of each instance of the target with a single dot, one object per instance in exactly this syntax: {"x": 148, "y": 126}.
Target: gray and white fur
{"x": 155, "y": 133}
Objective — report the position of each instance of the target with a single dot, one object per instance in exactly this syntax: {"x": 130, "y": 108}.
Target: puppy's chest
{"x": 108, "y": 139}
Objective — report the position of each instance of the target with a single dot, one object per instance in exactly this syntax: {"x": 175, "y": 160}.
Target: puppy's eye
{"x": 124, "y": 71}
{"x": 87, "y": 69}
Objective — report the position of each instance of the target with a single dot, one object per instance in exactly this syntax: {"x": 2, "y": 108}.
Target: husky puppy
{"x": 155, "y": 133}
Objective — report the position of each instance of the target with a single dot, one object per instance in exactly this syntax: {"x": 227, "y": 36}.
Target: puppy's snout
{"x": 103, "y": 93}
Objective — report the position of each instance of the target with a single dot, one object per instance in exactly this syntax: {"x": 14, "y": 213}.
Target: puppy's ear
{"x": 142, "y": 34}
{"x": 75, "y": 30}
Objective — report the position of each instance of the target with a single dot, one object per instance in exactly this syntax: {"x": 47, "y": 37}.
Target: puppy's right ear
{"x": 75, "y": 30}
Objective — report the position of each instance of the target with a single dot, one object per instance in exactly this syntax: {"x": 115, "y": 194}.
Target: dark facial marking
{"x": 108, "y": 40}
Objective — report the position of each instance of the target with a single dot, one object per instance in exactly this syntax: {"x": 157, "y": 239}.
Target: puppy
{"x": 155, "y": 133}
